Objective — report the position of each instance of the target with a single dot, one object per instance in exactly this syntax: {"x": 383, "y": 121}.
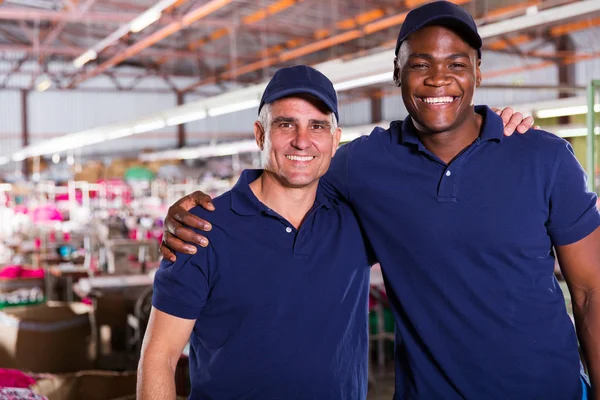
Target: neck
{"x": 291, "y": 203}
{"x": 447, "y": 145}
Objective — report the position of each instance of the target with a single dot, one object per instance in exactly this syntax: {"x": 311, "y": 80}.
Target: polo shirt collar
{"x": 244, "y": 202}
{"x": 492, "y": 129}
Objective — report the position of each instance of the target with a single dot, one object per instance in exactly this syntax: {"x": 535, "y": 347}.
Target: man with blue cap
{"x": 464, "y": 221}
{"x": 276, "y": 306}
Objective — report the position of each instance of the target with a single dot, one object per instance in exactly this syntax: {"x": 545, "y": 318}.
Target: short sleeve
{"x": 181, "y": 288}
{"x": 573, "y": 210}
{"x": 335, "y": 183}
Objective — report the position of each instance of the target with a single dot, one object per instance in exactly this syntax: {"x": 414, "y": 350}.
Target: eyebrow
{"x": 291, "y": 119}
{"x": 430, "y": 57}
{"x": 283, "y": 119}
{"x": 319, "y": 122}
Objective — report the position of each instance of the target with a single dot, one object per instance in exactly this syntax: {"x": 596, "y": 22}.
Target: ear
{"x": 397, "y": 72}
{"x": 259, "y": 135}
{"x": 478, "y": 74}
{"x": 337, "y": 136}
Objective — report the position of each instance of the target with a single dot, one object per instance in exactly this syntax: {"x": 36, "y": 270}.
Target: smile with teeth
{"x": 438, "y": 100}
{"x": 299, "y": 158}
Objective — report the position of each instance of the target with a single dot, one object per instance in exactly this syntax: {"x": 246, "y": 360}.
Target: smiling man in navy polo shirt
{"x": 463, "y": 221}
{"x": 276, "y": 306}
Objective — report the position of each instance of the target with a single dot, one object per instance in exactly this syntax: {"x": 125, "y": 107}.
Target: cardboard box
{"x": 51, "y": 337}
{"x": 88, "y": 385}
{"x": 13, "y": 284}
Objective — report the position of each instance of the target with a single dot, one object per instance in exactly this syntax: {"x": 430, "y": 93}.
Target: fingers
{"x": 204, "y": 200}
{"x": 525, "y": 125}
{"x": 181, "y": 215}
{"x": 515, "y": 120}
{"x": 176, "y": 245}
{"x": 505, "y": 114}
{"x": 179, "y": 233}
{"x": 198, "y": 198}
{"x": 166, "y": 253}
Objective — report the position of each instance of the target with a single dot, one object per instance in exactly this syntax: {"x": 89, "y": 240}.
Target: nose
{"x": 302, "y": 140}
{"x": 438, "y": 77}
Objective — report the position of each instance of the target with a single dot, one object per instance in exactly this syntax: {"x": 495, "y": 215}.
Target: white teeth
{"x": 438, "y": 100}
{"x": 300, "y": 158}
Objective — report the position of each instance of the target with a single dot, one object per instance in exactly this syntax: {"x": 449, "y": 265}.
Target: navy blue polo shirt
{"x": 280, "y": 313}
{"x": 466, "y": 253}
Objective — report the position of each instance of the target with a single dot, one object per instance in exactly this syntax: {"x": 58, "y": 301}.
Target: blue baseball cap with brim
{"x": 300, "y": 79}
{"x": 442, "y": 13}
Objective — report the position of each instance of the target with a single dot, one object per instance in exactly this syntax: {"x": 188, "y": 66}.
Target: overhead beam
{"x": 486, "y": 31}
{"x": 15, "y": 69}
{"x": 544, "y": 17}
{"x": 186, "y": 20}
{"x": 540, "y": 65}
{"x": 94, "y": 17}
{"x": 60, "y": 26}
{"x": 357, "y": 29}
{"x": 250, "y": 19}
{"x": 74, "y": 52}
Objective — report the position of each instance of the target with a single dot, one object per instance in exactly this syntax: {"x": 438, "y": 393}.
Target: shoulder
{"x": 537, "y": 137}
{"x": 222, "y": 205}
{"x": 537, "y": 141}
{"x": 378, "y": 138}
{"x": 220, "y": 218}
{"x": 340, "y": 214}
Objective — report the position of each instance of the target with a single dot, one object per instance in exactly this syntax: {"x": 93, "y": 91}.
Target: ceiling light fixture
{"x": 185, "y": 118}
{"x": 86, "y": 57}
{"x": 244, "y": 105}
{"x": 144, "y": 20}
{"x": 364, "y": 81}
{"x": 44, "y": 83}
{"x": 565, "y": 111}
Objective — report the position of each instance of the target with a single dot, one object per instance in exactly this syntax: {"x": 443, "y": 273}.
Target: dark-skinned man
{"x": 463, "y": 221}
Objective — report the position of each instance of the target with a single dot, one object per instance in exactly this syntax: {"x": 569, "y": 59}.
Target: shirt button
{"x": 448, "y": 173}
{"x": 288, "y": 229}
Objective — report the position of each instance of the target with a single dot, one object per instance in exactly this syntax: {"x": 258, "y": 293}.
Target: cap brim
{"x": 290, "y": 92}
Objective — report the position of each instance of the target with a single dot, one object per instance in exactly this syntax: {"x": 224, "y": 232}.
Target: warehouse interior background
{"x": 111, "y": 110}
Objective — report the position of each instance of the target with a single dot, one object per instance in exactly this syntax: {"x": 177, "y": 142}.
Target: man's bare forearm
{"x": 587, "y": 320}
{"x": 156, "y": 380}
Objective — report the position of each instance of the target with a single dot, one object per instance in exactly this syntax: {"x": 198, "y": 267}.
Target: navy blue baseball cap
{"x": 441, "y": 13}
{"x": 300, "y": 79}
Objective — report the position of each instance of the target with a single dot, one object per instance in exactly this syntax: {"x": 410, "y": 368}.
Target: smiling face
{"x": 299, "y": 143}
{"x": 438, "y": 72}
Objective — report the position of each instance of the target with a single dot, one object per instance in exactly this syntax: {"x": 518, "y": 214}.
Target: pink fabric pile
{"x": 20, "y": 272}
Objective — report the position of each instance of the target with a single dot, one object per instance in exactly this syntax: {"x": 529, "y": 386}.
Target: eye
{"x": 458, "y": 65}
{"x": 419, "y": 66}
{"x": 318, "y": 127}
{"x": 285, "y": 125}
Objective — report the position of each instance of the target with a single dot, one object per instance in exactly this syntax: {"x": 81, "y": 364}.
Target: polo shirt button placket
{"x": 446, "y": 187}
